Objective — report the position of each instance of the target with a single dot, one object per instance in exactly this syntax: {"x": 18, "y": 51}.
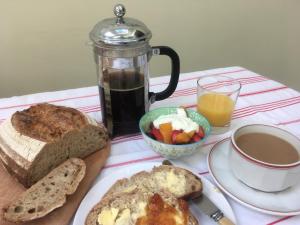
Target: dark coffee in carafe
{"x": 122, "y": 101}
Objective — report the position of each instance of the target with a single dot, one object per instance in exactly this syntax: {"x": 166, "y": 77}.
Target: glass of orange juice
{"x": 216, "y": 98}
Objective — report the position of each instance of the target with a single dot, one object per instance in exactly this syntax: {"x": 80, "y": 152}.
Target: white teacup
{"x": 262, "y": 175}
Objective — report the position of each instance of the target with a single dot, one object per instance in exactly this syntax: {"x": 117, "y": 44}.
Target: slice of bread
{"x": 179, "y": 182}
{"x": 47, "y": 194}
{"x": 136, "y": 207}
{"x": 36, "y": 140}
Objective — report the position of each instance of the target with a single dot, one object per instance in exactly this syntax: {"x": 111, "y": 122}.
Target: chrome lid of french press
{"x": 120, "y": 30}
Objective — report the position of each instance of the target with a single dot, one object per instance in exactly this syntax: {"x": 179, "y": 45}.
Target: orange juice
{"x": 217, "y": 108}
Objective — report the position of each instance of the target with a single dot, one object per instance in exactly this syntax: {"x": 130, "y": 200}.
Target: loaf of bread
{"x": 36, "y": 140}
{"x": 128, "y": 201}
{"x": 179, "y": 182}
{"x": 47, "y": 194}
{"x": 141, "y": 208}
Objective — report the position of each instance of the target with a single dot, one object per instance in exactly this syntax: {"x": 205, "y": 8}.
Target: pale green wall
{"x": 42, "y": 42}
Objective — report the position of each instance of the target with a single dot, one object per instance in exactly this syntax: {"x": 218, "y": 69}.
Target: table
{"x": 260, "y": 100}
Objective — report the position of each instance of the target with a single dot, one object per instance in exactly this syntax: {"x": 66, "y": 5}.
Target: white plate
{"x": 284, "y": 203}
{"x": 101, "y": 187}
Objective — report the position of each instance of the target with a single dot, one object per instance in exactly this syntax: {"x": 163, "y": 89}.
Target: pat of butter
{"x": 178, "y": 219}
{"x": 173, "y": 182}
{"x": 108, "y": 216}
{"x": 141, "y": 210}
{"x": 124, "y": 218}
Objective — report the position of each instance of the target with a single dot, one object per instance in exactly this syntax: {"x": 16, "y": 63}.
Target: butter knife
{"x": 210, "y": 209}
{"x": 207, "y": 206}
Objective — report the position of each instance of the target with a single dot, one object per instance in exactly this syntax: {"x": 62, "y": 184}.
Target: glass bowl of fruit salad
{"x": 174, "y": 132}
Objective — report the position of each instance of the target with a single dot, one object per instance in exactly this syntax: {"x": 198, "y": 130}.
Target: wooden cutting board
{"x": 10, "y": 189}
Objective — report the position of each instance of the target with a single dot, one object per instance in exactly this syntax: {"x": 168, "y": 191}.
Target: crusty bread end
{"x": 47, "y": 194}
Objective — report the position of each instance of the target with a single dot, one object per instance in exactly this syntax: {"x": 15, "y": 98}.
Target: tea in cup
{"x": 265, "y": 157}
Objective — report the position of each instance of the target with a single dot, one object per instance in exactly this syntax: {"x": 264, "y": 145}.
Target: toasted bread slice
{"x": 47, "y": 194}
{"x": 135, "y": 208}
{"x": 179, "y": 182}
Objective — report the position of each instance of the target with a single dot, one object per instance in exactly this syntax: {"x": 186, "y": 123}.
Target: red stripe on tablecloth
{"x": 243, "y": 111}
{"x": 93, "y": 95}
{"x": 50, "y": 101}
{"x": 266, "y": 110}
{"x": 200, "y": 75}
{"x": 150, "y": 158}
{"x": 186, "y": 92}
{"x": 193, "y": 90}
{"x": 126, "y": 136}
{"x": 251, "y": 107}
{"x": 289, "y": 122}
{"x": 279, "y": 220}
{"x": 127, "y": 139}
{"x": 245, "y": 80}
{"x": 263, "y": 91}
{"x": 132, "y": 161}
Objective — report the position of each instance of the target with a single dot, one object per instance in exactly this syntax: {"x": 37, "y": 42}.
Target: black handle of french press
{"x": 175, "y": 70}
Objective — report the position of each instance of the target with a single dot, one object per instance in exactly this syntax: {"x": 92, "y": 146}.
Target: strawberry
{"x": 174, "y": 134}
{"x": 196, "y": 138}
{"x": 157, "y": 135}
{"x": 201, "y": 133}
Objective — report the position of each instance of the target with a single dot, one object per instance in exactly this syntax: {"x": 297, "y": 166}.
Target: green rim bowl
{"x": 168, "y": 150}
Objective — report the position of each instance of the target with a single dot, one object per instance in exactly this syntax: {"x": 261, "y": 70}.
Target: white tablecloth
{"x": 261, "y": 99}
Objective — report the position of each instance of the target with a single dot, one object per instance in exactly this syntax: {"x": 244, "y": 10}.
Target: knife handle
{"x": 225, "y": 221}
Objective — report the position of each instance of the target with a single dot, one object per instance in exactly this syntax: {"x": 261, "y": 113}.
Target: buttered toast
{"x": 175, "y": 180}
{"x": 141, "y": 208}
{"x": 146, "y": 198}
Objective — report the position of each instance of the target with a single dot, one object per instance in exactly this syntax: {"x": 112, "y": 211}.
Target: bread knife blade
{"x": 207, "y": 206}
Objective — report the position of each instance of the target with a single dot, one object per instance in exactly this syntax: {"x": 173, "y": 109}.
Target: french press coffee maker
{"x": 122, "y": 53}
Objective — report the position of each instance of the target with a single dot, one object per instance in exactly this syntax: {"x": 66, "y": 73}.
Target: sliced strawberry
{"x": 174, "y": 134}
{"x": 201, "y": 132}
{"x": 196, "y": 138}
{"x": 157, "y": 135}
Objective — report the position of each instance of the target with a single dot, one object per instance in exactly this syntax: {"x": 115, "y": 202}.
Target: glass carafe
{"x": 122, "y": 53}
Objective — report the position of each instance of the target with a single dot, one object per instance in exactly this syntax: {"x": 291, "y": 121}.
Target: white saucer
{"x": 284, "y": 203}
{"x": 99, "y": 189}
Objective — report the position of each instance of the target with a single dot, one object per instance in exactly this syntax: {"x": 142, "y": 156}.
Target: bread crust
{"x": 46, "y": 122}
{"x": 75, "y": 140}
{"x": 14, "y": 169}
{"x": 77, "y": 168}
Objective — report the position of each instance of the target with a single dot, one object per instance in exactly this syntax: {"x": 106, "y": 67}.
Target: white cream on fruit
{"x": 179, "y": 121}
